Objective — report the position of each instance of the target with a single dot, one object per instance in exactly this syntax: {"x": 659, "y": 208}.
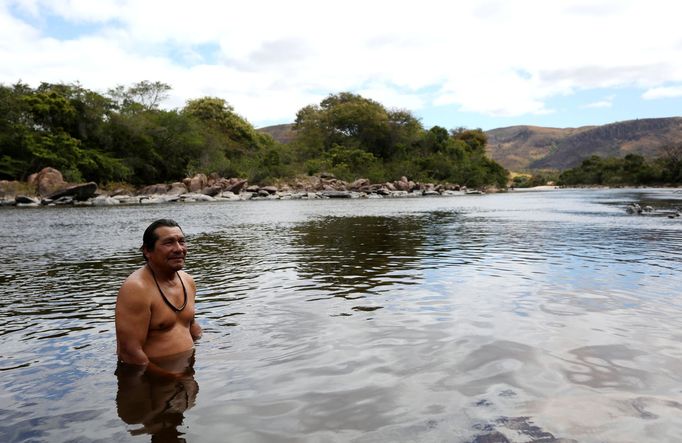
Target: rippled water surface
{"x": 536, "y": 316}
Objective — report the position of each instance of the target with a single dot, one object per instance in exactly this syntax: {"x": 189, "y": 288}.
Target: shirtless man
{"x": 155, "y": 305}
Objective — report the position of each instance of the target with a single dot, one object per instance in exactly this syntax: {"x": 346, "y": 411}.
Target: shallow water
{"x": 526, "y": 316}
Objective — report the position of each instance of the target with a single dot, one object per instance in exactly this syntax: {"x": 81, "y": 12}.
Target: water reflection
{"x": 353, "y": 256}
{"x": 155, "y": 405}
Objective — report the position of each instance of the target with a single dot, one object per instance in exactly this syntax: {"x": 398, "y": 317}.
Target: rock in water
{"x": 336, "y": 194}
{"x": 24, "y": 199}
{"x": 80, "y": 192}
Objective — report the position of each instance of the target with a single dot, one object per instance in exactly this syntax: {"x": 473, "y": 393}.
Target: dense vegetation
{"x": 123, "y": 135}
{"x": 631, "y": 170}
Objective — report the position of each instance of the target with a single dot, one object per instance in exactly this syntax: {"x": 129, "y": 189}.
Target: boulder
{"x": 159, "y": 188}
{"x": 228, "y": 195}
{"x": 153, "y": 200}
{"x": 450, "y": 193}
{"x": 402, "y": 184}
{"x": 8, "y": 188}
{"x": 270, "y": 189}
{"x": 103, "y": 200}
{"x": 336, "y": 194}
{"x": 24, "y": 199}
{"x": 252, "y": 188}
{"x": 221, "y": 182}
{"x": 212, "y": 191}
{"x": 61, "y": 201}
{"x": 177, "y": 188}
{"x": 197, "y": 183}
{"x": 127, "y": 199}
{"x": 49, "y": 181}
{"x": 359, "y": 183}
{"x": 395, "y": 194}
{"x": 119, "y": 191}
{"x": 197, "y": 197}
{"x": 338, "y": 185}
{"x": 213, "y": 178}
{"x": 79, "y": 192}
{"x": 235, "y": 186}
{"x": 32, "y": 180}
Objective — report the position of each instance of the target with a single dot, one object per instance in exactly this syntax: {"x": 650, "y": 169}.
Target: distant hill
{"x": 516, "y": 147}
{"x": 281, "y": 133}
{"x": 534, "y": 147}
{"x": 531, "y": 147}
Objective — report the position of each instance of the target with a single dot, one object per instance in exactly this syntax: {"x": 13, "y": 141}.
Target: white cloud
{"x": 599, "y": 104}
{"x": 605, "y": 103}
{"x": 662, "y": 92}
{"x": 269, "y": 58}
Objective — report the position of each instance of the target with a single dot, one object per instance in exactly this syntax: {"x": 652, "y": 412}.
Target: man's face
{"x": 170, "y": 249}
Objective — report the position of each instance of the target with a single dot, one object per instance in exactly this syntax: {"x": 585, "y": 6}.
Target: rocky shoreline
{"x": 52, "y": 190}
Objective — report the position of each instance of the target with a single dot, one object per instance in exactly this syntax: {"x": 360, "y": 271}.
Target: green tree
{"x": 350, "y": 120}
{"x": 143, "y": 96}
{"x": 240, "y": 136}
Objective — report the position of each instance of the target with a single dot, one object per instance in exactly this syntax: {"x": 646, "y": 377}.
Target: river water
{"x": 525, "y": 316}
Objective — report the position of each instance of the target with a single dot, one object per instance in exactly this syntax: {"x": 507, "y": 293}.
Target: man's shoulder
{"x": 136, "y": 282}
{"x": 185, "y": 275}
{"x": 187, "y": 278}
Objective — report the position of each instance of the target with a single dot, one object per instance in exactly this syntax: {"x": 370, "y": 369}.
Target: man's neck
{"x": 166, "y": 276}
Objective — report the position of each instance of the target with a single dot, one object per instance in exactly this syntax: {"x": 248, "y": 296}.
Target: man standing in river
{"x": 155, "y": 306}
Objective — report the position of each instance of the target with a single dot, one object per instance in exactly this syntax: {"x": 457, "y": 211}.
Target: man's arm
{"x": 194, "y": 327}
{"x": 133, "y": 312}
{"x": 195, "y": 330}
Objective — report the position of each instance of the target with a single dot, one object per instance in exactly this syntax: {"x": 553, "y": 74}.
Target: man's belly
{"x": 168, "y": 342}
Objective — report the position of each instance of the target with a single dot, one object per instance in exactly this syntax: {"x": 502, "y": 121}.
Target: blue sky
{"x": 472, "y": 63}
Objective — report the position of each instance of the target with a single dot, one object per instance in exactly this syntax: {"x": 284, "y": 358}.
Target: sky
{"x": 468, "y": 63}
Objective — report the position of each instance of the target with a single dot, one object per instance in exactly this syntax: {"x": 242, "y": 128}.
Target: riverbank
{"x": 47, "y": 188}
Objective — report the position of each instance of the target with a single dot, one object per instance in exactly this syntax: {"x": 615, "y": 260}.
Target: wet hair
{"x": 150, "y": 237}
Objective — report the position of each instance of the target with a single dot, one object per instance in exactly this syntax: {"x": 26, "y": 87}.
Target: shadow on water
{"x": 156, "y": 405}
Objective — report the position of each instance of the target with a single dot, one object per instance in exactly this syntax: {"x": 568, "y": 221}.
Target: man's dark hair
{"x": 149, "y": 237}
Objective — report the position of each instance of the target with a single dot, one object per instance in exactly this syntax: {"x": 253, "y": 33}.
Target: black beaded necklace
{"x": 170, "y": 305}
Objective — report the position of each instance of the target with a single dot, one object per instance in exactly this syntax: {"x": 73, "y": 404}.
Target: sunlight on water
{"x": 510, "y": 317}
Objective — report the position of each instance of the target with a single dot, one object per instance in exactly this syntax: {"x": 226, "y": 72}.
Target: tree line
{"x": 631, "y": 170}
{"x": 124, "y": 136}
